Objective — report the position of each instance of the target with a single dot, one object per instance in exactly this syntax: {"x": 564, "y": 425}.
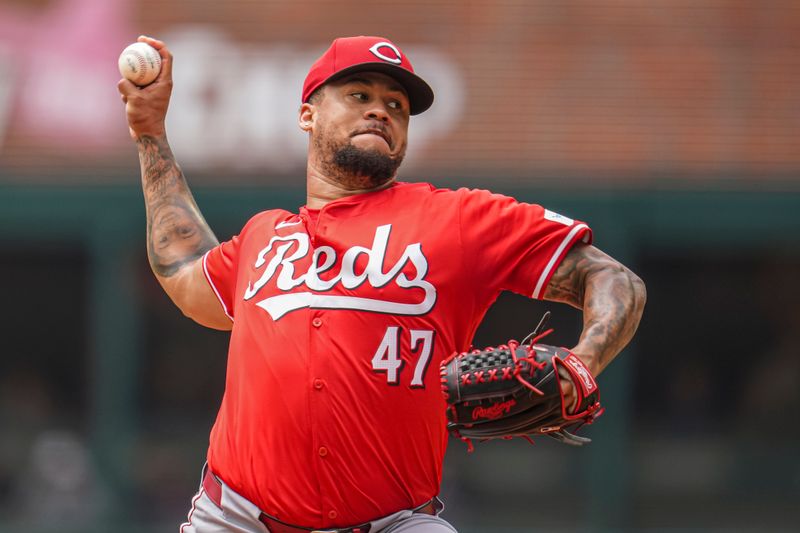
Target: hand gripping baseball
{"x": 146, "y": 107}
{"x": 519, "y": 390}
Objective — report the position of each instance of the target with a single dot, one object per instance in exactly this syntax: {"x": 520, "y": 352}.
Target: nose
{"x": 377, "y": 111}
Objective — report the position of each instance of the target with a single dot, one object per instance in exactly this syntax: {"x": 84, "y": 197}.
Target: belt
{"x": 213, "y": 489}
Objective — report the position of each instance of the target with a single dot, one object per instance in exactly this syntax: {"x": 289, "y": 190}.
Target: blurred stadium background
{"x": 671, "y": 126}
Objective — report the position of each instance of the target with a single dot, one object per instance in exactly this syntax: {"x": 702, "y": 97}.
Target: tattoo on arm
{"x": 176, "y": 231}
{"x": 611, "y": 296}
{"x": 567, "y": 283}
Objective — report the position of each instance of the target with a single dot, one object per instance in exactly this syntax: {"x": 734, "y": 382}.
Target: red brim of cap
{"x": 420, "y": 94}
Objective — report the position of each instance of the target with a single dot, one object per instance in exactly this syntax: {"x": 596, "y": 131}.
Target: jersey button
{"x": 332, "y": 514}
{"x": 318, "y": 384}
{"x": 323, "y": 451}
{"x": 317, "y": 322}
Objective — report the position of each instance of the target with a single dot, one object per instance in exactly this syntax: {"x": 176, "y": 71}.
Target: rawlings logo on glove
{"x": 515, "y": 390}
{"x": 495, "y": 411}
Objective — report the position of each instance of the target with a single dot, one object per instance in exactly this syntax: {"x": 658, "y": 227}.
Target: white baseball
{"x": 140, "y": 63}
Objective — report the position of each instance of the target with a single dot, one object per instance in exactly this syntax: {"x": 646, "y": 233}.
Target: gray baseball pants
{"x": 238, "y": 515}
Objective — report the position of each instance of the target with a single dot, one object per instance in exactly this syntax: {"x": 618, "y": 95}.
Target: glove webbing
{"x": 535, "y": 337}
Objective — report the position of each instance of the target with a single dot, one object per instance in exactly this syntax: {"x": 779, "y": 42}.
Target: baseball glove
{"x": 515, "y": 390}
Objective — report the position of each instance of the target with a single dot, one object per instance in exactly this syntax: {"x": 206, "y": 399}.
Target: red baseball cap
{"x": 376, "y": 54}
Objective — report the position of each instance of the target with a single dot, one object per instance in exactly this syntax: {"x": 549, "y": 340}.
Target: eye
{"x": 399, "y": 105}
{"x": 359, "y": 96}
{"x": 186, "y": 231}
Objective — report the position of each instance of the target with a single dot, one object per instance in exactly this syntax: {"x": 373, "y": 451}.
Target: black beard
{"x": 365, "y": 168}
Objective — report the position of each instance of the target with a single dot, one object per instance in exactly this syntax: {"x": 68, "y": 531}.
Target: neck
{"x": 322, "y": 189}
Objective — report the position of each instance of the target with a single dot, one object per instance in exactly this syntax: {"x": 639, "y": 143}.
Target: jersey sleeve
{"x": 220, "y": 266}
{"x": 515, "y": 246}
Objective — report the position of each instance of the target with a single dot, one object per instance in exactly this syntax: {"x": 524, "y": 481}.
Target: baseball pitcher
{"x": 352, "y": 318}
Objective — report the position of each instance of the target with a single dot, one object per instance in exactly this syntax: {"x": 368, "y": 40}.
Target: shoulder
{"x": 472, "y": 195}
{"x": 429, "y": 196}
{"x": 426, "y": 191}
{"x": 404, "y": 188}
{"x": 268, "y": 219}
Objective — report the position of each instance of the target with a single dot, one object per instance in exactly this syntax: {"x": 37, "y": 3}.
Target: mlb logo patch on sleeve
{"x": 555, "y": 217}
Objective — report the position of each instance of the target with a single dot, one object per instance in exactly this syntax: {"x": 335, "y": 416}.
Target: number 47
{"x": 387, "y": 356}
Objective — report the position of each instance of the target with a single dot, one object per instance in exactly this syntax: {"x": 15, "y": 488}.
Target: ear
{"x": 307, "y": 115}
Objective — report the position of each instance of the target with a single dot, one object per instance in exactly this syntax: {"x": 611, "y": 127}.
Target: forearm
{"x": 613, "y": 302}
{"x": 177, "y": 233}
{"x": 612, "y": 299}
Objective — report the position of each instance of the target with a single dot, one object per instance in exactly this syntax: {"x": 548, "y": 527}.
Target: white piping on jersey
{"x": 550, "y": 264}
{"x": 214, "y": 287}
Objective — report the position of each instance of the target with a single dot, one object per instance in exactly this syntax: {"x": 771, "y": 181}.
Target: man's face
{"x": 174, "y": 233}
{"x": 360, "y": 129}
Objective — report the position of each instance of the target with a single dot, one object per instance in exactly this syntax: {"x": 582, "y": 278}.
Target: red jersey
{"x": 333, "y": 414}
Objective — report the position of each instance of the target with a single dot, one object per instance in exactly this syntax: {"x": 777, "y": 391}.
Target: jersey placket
{"x": 318, "y": 339}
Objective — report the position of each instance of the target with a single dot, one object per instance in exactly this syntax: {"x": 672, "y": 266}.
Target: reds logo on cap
{"x": 348, "y": 55}
{"x": 376, "y": 49}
